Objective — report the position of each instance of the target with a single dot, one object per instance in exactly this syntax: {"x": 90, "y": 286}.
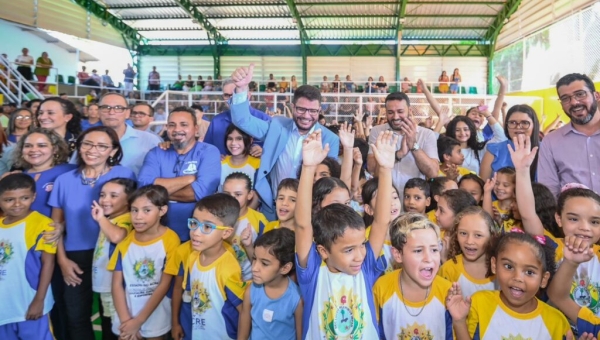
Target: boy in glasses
{"x": 212, "y": 277}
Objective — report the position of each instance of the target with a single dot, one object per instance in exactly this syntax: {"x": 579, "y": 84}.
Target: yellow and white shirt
{"x": 143, "y": 264}
{"x": 455, "y": 272}
{"x": 249, "y": 168}
{"x": 585, "y": 287}
{"x": 395, "y": 314}
{"x": 258, "y": 222}
{"x": 587, "y": 321}
{"x": 21, "y": 247}
{"x": 216, "y": 290}
{"x": 102, "y": 277}
{"x": 490, "y": 318}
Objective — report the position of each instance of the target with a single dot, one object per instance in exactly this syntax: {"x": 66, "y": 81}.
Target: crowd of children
{"x": 349, "y": 257}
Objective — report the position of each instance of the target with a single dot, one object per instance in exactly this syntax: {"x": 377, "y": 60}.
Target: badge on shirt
{"x": 267, "y": 315}
{"x": 191, "y": 168}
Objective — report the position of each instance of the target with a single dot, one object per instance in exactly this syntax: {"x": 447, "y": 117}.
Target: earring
{"x": 110, "y": 160}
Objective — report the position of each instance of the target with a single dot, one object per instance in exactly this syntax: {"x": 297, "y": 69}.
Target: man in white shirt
{"x": 417, "y": 154}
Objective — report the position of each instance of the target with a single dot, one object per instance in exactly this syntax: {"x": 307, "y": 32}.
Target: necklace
{"x": 91, "y": 181}
{"x": 404, "y": 302}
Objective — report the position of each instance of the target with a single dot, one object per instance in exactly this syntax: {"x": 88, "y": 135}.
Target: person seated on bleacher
{"x": 83, "y": 76}
{"x": 382, "y": 86}
{"x": 107, "y": 80}
{"x": 283, "y": 84}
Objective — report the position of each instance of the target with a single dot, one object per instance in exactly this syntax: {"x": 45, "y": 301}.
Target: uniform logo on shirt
{"x": 586, "y": 293}
{"x": 6, "y": 252}
{"x": 517, "y": 337}
{"x": 200, "y": 298}
{"x": 48, "y": 186}
{"x": 415, "y": 332}
{"x": 144, "y": 269}
{"x": 342, "y": 316}
{"x": 191, "y": 168}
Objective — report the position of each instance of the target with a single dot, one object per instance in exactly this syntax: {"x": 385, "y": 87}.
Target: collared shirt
{"x": 568, "y": 156}
{"x": 136, "y": 144}
{"x": 407, "y": 167}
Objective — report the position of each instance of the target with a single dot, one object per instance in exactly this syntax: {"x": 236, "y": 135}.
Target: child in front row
{"x": 213, "y": 278}
{"x": 272, "y": 308}
{"x": 112, "y": 214}
{"x": 411, "y": 301}
{"x": 139, "y": 283}
{"x": 285, "y": 205}
{"x": 522, "y": 267}
{"x": 338, "y": 302}
{"x": 26, "y": 263}
{"x": 416, "y": 196}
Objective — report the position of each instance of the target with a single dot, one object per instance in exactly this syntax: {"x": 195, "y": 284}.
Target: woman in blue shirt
{"x": 19, "y": 123}
{"x": 98, "y": 155}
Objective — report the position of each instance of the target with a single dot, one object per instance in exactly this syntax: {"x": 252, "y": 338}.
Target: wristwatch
{"x": 415, "y": 147}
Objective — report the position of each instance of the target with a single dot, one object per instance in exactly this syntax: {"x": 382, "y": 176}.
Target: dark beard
{"x": 588, "y": 117}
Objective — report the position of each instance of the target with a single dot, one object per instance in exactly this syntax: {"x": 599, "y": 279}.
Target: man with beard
{"x": 186, "y": 169}
{"x": 417, "y": 154}
{"x": 571, "y": 154}
{"x": 283, "y": 137}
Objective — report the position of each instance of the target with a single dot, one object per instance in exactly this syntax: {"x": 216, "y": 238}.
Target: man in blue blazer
{"x": 282, "y": 136}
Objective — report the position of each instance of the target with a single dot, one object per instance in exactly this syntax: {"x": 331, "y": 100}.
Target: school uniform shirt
{"x": 402, "y": 319}
{"x": 507, "y": 222}
{"x": 274, "y": 319}
{"x": 490, "y": 318}
{"x": 177, "y": 268}
{"x": 258, "y": 222}
{"x": 143, "y": 264}
{"x": 216, "y": 292}
{"x": 338, "y": 305}
{"x": 102, "y": 277}
{"x": 386, "y": 253}
{"x": 44, "y": 183}
{"x": 249, "y": 168}
{"x": 587, "y": 321}
{"x": 75, "y": 199}
{"x": 21, "y": 247}
{"x": 585, "y": 287}
{"x": 201, "y": 161}
{"x": 455, "y": 272}
{"x": 431, "y": 217}
{"x": 273, "y": 225}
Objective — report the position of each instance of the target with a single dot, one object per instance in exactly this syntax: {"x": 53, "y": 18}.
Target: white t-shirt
{"x": 25, "y": 59}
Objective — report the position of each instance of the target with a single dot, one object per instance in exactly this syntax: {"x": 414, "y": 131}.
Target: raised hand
{"x": 490, "y": 184}
{"x": 522, "y": 156}
{"x": 358, "y": 116}
{"x": 246, "y": 237}
{"x": 385, "y": 148}
{"x": 457, "y": 306}
{"x": 242, "y": 76}
{"x": 313, "y": 152}
{"x": 97, "y": 211}
{"x": 502, "y": 80}
{"x": 577, "y": 250}
{"x": 357, "y": 156}
{"x": 346, "y": 135}
{"x": 451, "y": 171}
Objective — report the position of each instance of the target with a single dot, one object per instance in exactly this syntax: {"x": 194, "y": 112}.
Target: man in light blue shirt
{"x": 282, "y": 136}
{"x": 114, "y": 110}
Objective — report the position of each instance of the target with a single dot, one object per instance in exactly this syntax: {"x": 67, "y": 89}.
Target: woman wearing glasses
{"x": 18, "y": 124}
{"x": 520, "y": 119}
{"x": 98, "y": 155}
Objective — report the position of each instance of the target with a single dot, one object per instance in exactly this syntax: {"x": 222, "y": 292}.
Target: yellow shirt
{"x": 456, "y": 272}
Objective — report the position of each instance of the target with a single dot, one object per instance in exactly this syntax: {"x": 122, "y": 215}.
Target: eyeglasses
{"x": 579, "y": 96}
{"x": 23, "y": 117}
{"x": 117, "y": 109}
{"x": 138, "y": 114}
{"x": 302, "y": 110}
{"x": 524, "y": 124}
{"x": 85, "y": 146}
{"x": 205, "y": 227}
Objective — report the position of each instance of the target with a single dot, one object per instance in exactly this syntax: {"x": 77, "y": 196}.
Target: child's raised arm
{"x": 356, "y": 168}
{"x": 383, "y": 150}
{"x": 347, "y": 141}
{"x": 313, "y": 154}
{"x": 495, "y": 118}
{"x": 488, "y": 188}
{"x": 576, "y": 251}
{"x": 522, "y": 157}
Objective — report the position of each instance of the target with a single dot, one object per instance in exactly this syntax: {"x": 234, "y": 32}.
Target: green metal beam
{"x": 304, "y": 39}
{"x": 399, "y": 25}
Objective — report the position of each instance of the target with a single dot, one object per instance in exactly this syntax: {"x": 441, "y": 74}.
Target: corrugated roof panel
{"x": 299, "y": 2}
{"x": 416, "y": 9}
{"x": 150, "y": 13}
{"x": 262, "y": 35}
{"x": 237, "y": 2}
{"x": 381, "y": 34}
{"x": 137, "y": 3}
{"x": 165, "y": 24}
{"x": 448, "y": 22}
{"x": 341, "y": 22}
{"x": 245, "y": 11}
{"x": 390, "y": 9}
{"x": 175, "y": 35}
{"x": 460, "y": 1}
{"x": 255, "y": 23}
{"x": 443, "y": 34}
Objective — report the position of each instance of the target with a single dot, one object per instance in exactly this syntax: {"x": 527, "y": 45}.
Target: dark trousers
{"x": 58, "y": 314}
{"x": 79, "y": 299}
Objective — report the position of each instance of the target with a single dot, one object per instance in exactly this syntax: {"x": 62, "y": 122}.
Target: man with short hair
{"x": 129, "y": 74}
{"x": 154, "y": 80}
{"x": 142, "y": 114}
{"x": 571, "y": 154}
{"x": 283, "y": 136}
{"x": 107, "y": 80}
{"x": 188, "y": 169}
{"x": 114, "y": 110}
{"x": 215, "y": 134}
{"x": 416, "y": 154}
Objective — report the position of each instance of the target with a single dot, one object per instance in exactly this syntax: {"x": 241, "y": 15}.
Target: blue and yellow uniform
{"x": 258, "y": 222}
{"x": 177, "y": 268}
{"x": 249, "y": 168}
{"x": 587, "y": 321}
{"x": 21, "y": 247}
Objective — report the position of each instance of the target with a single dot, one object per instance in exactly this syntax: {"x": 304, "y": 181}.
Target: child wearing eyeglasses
{"x": 212, "y": 277}
{"x": 140, "y": 283}
{"x": 250, "y": 225}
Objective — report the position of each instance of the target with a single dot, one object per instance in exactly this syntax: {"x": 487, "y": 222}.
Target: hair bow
{"x": 540, "y": 239}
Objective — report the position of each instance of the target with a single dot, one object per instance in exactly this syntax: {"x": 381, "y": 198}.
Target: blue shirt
{"x": 136, "y": 144}
{"x": 75, "y": 199}
{"x": 85, "y": 124}
{"x": 44, "y": 184}
{"x": 203, "y": 160}
{"x": 215, "y": 134}
{"x": 501, "y": 155}
{"x": 274, "y": 319}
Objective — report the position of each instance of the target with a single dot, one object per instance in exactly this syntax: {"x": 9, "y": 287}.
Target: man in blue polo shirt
{"x": 215, "y": 134}
{"x": 186, "y": 169}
